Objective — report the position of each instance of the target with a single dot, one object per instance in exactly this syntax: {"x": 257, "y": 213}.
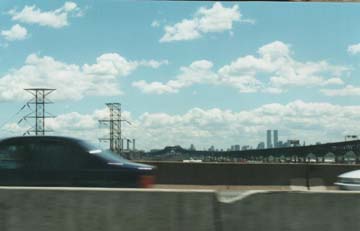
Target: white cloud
{"x": 15, "y": 129}
{"x": 71, "y": 81}
{"x": 348, "y": 90}
{"x": 296, "y": 120}
{"x": 110, "y": 64}
{"x": 154, "y": 87}
{"x": 206, "y": 20}
{"x": 275, "y": 61}
{"x": 198, "y": 72}
{"x": 274, "y": 50}
{"x": 152, "y": 63}
{"x": 56, "y": 18}
{"x": 273, "y": 71}
{"x": 186, "y": 30}
{"x": 273, "y": 90}
{"x": 16, "y": 32}
{"x": 354, "y": 49}
{"x": 155, "y": 23}
{"x": 244, "y": 83}
{"x": 333, "y": 81}
{"x": 113, "y": 64}
{"x": 307, "y": 121}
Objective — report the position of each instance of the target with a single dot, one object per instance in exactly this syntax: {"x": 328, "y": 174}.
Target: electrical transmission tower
{"x": 38, "y": 112}
{"x": 114, "y": 123}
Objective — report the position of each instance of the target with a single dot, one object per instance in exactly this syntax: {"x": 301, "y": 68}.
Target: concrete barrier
{"x": 291, "y": 211}
{"x": 45, "y": 209}
{"x": 68, "y": 209}
{"x": 248, "y": 174}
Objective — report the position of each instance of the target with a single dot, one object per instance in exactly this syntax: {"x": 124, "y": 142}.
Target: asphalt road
{"x": 244, "y": 187}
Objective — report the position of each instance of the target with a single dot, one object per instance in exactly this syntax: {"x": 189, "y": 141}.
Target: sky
{"x": 202, "y": 73}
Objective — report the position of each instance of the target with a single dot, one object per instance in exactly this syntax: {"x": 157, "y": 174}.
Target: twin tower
{"x": 270, "y": 144}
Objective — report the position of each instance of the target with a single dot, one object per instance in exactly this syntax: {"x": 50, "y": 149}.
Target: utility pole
{"x": 38, "y": 112}
{"x": 114, "y": 123}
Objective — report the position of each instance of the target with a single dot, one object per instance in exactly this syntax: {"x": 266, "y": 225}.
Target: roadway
{"x": 246, "y": 187}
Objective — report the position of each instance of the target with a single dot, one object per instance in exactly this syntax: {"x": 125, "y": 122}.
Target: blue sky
{"x": 201, "y": 68}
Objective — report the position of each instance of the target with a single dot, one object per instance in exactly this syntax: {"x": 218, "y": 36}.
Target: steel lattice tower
{"x": 114, "y": 123}
{"x": 39, "y": 113}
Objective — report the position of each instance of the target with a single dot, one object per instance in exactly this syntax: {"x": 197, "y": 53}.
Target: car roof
{"x": 352, "y": 174}
{"x": 40, "y": 138}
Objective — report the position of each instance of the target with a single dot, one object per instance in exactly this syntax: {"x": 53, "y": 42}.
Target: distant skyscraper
{"x": 276, "y": 138}
{"x": 261, "y": 145}
{"x": 268, "y": 139}
{"x": 245, "y": 147}
{"x": 293, "y": 143}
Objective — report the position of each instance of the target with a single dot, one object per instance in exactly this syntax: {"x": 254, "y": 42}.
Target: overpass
{"x": 337, "y": 152}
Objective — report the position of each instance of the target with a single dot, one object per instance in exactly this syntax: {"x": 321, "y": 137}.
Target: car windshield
{"x": 107, "y": 155}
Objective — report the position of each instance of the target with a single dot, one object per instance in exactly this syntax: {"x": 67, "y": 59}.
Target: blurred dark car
{"x": 63, "y": 161}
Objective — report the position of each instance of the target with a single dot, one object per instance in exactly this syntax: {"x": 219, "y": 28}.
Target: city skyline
{"x": 201, "y": 73}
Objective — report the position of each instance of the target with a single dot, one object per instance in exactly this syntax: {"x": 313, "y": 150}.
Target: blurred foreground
{"x": 90, "y": 209}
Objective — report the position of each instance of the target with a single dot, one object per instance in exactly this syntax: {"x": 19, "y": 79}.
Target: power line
{"x": 7, "y": 121}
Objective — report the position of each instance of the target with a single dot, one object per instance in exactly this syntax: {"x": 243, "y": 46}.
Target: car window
{"x": 54, "y": 155}
{"x": 105, "y": 155}
{"x": 12, "y": 156}
{"x": 110, "y": 157}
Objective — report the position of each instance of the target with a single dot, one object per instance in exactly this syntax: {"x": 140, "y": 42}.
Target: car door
{"x": 13, "y": 157}
{"x": 100, "y": 171}
{"x": 88, "y": 170}
{"x": 51, "y": 164}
